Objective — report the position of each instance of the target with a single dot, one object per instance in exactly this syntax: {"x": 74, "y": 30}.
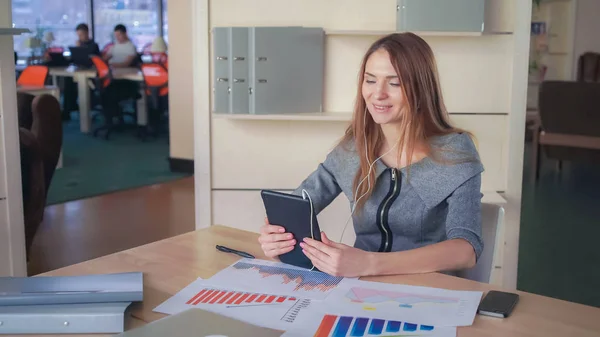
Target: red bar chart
{"x": 215, "y": 296}
{"x": 263, "y": 308}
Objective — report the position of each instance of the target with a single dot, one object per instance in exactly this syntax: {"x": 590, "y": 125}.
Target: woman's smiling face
{"x": 381, "y": 89}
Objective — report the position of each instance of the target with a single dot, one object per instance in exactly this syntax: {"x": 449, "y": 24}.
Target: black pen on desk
{"x": 237, "y": 252}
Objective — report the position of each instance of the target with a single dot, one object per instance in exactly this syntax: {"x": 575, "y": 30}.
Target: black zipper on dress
{"x": 384, "y": 209}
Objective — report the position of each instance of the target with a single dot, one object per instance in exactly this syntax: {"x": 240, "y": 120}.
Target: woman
{"x": 413, "y": 179}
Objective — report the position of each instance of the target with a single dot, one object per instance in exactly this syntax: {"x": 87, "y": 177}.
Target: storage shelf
{"x": 308, "y": 116}
{"x": 314, "y": 116}
{"x": 13, "y": 31}
{"x": 491, "y": 197}
{"x": 383, "y": 32}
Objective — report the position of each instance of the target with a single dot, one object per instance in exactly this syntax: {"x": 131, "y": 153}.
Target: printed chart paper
{"x": 262, "y": 309}
{"x": 275, "y": 277}
{"x": 319, "y": 325}
{"x": 421, "y": 305}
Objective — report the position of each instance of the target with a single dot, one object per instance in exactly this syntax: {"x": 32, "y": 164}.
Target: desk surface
{"x": 44, "y": 89}
{"x": 170, "y": 265}
{"x": 130, "y": 73}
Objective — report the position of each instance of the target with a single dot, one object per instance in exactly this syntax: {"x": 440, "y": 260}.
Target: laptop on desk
{"x": 57, "y": 60}
{"x": 80, "y": 57}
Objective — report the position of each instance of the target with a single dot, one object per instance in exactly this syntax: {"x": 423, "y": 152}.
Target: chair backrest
{"x": 55, "y": 50}
{"x": 47, "y": 128}
{"x": 24, "y": 105}
{"x": 40, "y": 136}
{"x": 155, "y": 77}
{"x": 33, "y": 76}
{"x": 492, "y": 216}
{"x": 102, "y": 70}
{"x": 569, "y": 107}
{"x": 588, "y": 67}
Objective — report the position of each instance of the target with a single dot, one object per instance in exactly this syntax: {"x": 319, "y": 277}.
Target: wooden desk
{"x": 170, "y": 265}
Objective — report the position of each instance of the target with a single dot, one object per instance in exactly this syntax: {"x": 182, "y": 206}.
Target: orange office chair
{"x": 111, "y": 95}
{"x": 156, "y": 85}
{"x": 102, "y": 71}
{"x": 34, "y": 76}
{"x": 102, "y": 82}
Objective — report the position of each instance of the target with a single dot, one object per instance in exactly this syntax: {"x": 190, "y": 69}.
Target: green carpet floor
{"x": 559, "y": 254}
{"x": 94, "y": 166}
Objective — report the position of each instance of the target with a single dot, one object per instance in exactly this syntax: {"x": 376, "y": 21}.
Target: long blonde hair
{"x": 424, "y": 115}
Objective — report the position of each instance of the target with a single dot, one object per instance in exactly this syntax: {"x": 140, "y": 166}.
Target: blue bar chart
{"x": 348, "y": 326}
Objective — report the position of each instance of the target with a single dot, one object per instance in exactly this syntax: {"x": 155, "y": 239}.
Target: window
{"x": 39, "y": 16}
{"x": 141, "y": 18}
{"x": 165, "y": 21}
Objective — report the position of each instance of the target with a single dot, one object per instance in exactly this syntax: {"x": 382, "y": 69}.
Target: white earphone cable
{"x": 368, "y": 176}
{"x": 312, "y": 233}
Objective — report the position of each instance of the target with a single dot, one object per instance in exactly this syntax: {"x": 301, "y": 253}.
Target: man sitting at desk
{"x": 123, "y": 53}
{"x": 70, "y": 89}
{"x": 83, "y": 38}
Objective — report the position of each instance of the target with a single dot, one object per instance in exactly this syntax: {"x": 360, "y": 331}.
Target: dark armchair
{"x": 588, "y": 67}
{"x": 570, "y": 123}
{"x": 40, "y": 138}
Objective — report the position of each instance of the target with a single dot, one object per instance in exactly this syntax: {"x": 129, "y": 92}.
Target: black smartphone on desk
{"x": 293, "y": 213}
{"x": 498, "y": 304}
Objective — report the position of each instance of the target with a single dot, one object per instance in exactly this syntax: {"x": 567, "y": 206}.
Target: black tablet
{"x": 292, "y": 212}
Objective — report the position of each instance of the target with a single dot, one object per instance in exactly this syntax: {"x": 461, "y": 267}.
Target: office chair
{"x": 110, "y": 96}
{"x": 492, "y": 216}
{"x": 588, "y": 67}
{"x": 34, "y": 76}
{"x": 40, "y": 140}
{"x": 156, "y": 90}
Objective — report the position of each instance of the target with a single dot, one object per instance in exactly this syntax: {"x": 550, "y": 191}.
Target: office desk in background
{"x": 81, "y": 77}
{"x": 170, "y": 265}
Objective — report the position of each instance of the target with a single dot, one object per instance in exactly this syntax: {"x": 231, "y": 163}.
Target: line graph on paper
{"x": 422, "y": 305}
{"x": 275, "y": 277}
{"x": 370, "y": 297}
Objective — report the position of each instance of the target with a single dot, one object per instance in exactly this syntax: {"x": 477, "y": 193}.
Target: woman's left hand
{"x": 337, "y": 259}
